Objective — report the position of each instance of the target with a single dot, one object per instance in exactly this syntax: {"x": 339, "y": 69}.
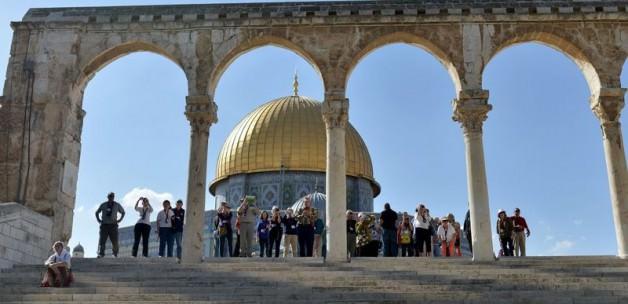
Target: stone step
{"x": 225, "y": 280}
{"x": 261, "y": 288}
{"x": 367, "y": 280}
{"x": 355, "y": 295}
{"x": 297, "y": 273}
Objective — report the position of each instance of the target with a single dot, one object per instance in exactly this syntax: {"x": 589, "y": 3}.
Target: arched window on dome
{"x": 544, "y": 152}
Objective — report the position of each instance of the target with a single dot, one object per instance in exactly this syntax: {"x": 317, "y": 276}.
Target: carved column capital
{"x": 335, "y": 112}
{"x": 471, "y": 110}
{"x": 607, "y": 106}
{"x": 201, "y": 111}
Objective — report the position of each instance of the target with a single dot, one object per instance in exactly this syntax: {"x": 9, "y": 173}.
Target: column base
{"x": 332, "y": 259}
{"x": 482, "y": 259}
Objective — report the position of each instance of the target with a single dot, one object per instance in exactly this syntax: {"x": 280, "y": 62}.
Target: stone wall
{"x": 25, "y": 235}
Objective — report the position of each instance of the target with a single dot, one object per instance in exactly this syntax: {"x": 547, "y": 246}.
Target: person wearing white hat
{"x": 505, "y": 230}
{"x": 447, "y": 235}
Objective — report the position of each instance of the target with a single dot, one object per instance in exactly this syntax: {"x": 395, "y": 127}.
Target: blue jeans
{"x": 177, "y": 239}
{"x": 225, "y": 244}
{"x": 436, "y": 250}
{"x": 165, "y": 238}
{"x": 216, "y": 245}
{"x": 390, "y": 243}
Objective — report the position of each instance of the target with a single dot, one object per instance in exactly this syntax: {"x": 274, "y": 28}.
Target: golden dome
{"x": 287, "y": 133}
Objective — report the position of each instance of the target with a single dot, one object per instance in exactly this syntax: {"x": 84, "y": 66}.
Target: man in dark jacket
{"x": 388, "y": 220}
{"x": 467, "y": 229}
{"x": 177, "y": 226}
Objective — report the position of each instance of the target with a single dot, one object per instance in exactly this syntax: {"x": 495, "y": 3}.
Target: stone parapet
{"x": 25, "y": 235}
{"x": 190, "y": 13}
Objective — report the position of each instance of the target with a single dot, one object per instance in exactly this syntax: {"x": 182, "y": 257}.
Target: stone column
{"x": 471, "y": 109}
{"x": 201, "y": 112}
{"x": 335, "y": 113}
{"x": 607, "y": 106}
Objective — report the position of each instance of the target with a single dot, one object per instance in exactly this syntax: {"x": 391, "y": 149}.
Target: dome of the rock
{"x": 278, "y": 153}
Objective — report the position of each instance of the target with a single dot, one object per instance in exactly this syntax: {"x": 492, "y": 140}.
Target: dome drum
{"x": 283, "y": 189}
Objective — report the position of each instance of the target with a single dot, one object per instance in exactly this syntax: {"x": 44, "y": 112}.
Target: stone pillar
{"x": 607, "y": 106}
{"x": 335, "y": 113}
{"x": 471, "y": 109}
{"x": 201, "y": 112}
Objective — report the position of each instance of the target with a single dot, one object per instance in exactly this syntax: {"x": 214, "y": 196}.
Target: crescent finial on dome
{"x": 295, "y": 84}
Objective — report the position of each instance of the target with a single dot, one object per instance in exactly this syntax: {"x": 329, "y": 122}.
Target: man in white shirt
{"x": 164, "y": 229}
{"x": 447, "y": 236}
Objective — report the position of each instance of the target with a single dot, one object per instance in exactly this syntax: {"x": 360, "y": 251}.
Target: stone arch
{"x": 559, "y": 44}
{"x": 104, "y": 58}
{"x": 250, "y": 45}
{"x": 404, "y": 37}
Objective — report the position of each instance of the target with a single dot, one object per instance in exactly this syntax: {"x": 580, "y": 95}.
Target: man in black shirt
{"x": 177, "y": 225}
{"x": 388, "y": 220}
{"x": 109, "y": 224}
{"x": 467, "y": 229}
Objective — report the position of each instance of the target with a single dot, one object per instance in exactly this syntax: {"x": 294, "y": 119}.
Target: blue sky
{"x": 542, "y": 143}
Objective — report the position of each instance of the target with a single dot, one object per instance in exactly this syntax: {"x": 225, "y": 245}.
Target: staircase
{"x": 366, "y": 280}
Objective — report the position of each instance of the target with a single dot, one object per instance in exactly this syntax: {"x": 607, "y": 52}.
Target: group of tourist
{"x": 304, "y": 231}
{"x": 421, "y": 235}
{"x": 169, "y": 226}
{"x": 304, "y": 227}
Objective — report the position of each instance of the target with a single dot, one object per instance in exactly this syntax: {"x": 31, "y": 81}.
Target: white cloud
{"x": 561, "y": 247}
{"x": 549, "y": 237}
{"x": 155, "y": 198}
{"x": 578, "y": 222}
{"x": 79, "y": 210}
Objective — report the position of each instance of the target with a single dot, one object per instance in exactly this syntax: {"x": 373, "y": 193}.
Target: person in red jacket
{"x": 520, "y": 225}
